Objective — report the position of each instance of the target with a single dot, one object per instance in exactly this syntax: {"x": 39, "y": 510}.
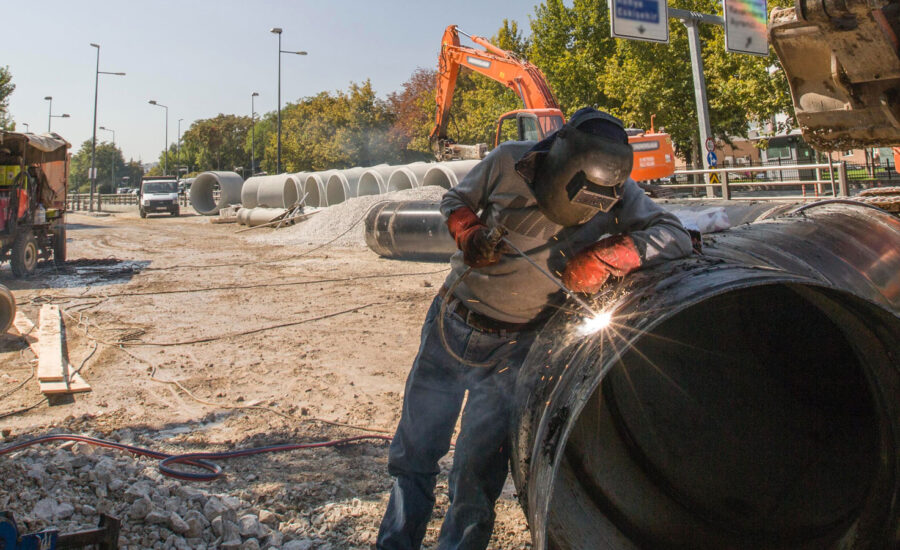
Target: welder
{"x": 568, "y": 203}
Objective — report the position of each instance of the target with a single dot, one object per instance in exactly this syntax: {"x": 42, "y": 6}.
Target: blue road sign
{"x": 640, "y": 19}
{"x": 712, "y": 159}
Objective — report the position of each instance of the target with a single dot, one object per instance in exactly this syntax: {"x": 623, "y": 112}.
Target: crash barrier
{"x": 202, "y": 191}
{"x": 742, "y": 398}
{"x": 757, "y": 182}
{"x": 82, "y": 201}
{"x": 416, "y": 230}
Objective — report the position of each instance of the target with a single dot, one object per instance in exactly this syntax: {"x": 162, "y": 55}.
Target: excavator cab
{"x": 528, "y": 125}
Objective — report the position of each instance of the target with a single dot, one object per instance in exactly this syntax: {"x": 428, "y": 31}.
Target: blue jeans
{"x": 434, "y": 394}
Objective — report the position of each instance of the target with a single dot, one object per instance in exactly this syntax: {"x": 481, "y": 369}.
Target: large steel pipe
{"x": 421, "y": 232}
{"x": 745, "y": 398}
{"x": 203, "y": 189}
{"x": 408, "y": 176}
{"x": 374, "y": 180}
{"x": 409, "y": 230}
{"x": 278, "y": 191}
{"x": 448, "y": 174}
{"x": 342, "y": 185}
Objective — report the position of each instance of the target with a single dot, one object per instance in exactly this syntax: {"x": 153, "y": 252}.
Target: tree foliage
{"x": 213, "y": 144}
{"x": 635, "y": 80}
{"x": 339, "y": 130}
{"x": 6, "y": 89}
{"x": 106, "y": 155}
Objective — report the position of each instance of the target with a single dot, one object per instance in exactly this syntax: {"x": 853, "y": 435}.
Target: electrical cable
{"x": 201, "y": 461}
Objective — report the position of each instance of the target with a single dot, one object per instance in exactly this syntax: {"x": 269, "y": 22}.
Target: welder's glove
{"x": 471, "y": 237}
{"x": 614, "y": 256}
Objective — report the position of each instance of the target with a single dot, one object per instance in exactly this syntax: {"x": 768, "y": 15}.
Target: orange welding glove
{"x": 614, "y": 256}
{"x": 471, "y": 237}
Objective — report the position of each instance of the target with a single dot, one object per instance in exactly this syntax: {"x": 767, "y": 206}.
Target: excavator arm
{"x": 498, "y": 64}
{"x": 841, "y": 60}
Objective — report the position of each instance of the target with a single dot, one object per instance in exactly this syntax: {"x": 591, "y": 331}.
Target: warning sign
{"x": 714, "y": 178}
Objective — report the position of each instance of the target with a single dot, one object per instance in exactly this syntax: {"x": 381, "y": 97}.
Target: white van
{"x": 158, "y": 195}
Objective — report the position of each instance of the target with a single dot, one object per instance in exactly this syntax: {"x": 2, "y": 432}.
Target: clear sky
{"x": 202, "y": 58}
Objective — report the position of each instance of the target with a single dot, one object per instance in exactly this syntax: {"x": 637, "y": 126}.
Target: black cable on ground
{"x": 201, "y": 461}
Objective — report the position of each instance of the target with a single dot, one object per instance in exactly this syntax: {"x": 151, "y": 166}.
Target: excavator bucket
{"x": 841, "y": 60}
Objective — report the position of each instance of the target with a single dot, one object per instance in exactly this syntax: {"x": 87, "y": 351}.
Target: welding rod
{"x": 547, "y": 274}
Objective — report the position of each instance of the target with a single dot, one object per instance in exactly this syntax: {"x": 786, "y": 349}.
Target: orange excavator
{"x": 653, "y": 155}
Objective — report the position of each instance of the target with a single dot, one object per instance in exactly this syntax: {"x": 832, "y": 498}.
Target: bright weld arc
{"x": 598, "y": 322}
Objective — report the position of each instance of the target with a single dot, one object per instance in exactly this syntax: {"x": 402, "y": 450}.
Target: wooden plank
{"x": 28, "y": 331}
{"x": 74, "y": 384}
{"x": 51, "y": 365}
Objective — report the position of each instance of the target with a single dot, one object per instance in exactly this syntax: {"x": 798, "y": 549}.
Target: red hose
{"x": 202, "y": 461}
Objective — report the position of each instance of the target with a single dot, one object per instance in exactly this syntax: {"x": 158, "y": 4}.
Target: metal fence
{"x": 794, "y": 182}
{"x": 82, "y": 201}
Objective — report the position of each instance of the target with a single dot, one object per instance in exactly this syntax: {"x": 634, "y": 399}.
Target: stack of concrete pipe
{"x": 330, "y": 187}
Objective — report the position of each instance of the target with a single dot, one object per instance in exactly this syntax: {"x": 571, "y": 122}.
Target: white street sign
{"x": 745, "y": 26}
{"x": 640, "y": 19}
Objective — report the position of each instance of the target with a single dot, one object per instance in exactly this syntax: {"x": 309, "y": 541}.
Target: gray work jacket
{"x": 513, "y": 290}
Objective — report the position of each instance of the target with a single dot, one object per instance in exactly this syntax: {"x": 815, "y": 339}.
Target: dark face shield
{"x": 580, "y": 175}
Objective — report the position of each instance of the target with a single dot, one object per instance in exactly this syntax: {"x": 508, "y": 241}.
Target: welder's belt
{"x": 487, "y": 324}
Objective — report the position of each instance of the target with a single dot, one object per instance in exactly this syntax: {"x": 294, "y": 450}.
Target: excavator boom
{"x": 516, "y": 74}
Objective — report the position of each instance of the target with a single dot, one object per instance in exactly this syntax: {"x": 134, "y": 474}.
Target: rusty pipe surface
{"x": 743, "y": 398}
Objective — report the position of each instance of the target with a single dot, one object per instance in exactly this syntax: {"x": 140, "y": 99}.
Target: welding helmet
{"x": 579, "y": 171}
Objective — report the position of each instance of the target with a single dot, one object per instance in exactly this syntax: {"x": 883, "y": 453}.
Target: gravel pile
{"x": 66, "y": 487}
{"x": 332, "y": 222}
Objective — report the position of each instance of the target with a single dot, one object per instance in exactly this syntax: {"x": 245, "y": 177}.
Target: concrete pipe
{"x": 300, "y": 179}
{"x": 7, "y": 308}
{"x": 260, "y": 215}
{"x": 228, "y": 183}
{"x": 374, "y": 180}
{"x": 314, "y": 189}
{"x": 743, "y": 398}
{"x": 448, "y": 174}
{"x": 408, "y": 176}
{"x": 249, "y": 191}
{"x": 279, "y": 191}
{"x": 242, "y": 215}
{"x": 342, "y": 185}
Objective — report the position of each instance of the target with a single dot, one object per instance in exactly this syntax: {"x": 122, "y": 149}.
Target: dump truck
{"x": 34, "y": 170}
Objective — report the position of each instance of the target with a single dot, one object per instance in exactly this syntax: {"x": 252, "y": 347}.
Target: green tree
{"x": 635, "y": 80}
{"x": 214, "y": 143}
{"x": 106, "y": 155}
{"x": 6, "y": 90}
{"x": 337, "y": 130}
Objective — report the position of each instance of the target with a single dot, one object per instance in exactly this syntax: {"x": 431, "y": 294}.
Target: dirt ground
{"x": 263, "y": 340}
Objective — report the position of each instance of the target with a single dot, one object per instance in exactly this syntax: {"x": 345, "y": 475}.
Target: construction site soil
{"x": 196, "y": 338}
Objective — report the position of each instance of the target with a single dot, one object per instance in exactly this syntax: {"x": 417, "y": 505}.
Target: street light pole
{"x": 178, "y": 150}
{"x": 278, "y": 30}
{"x": 113, "y": 178}
{"x": 92, "y": 175}
{"x": 253, "y": 132}
{"x": 49, "y": 111}
{"x": 27, "y": 127}
{"x": 166, "y": 158}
